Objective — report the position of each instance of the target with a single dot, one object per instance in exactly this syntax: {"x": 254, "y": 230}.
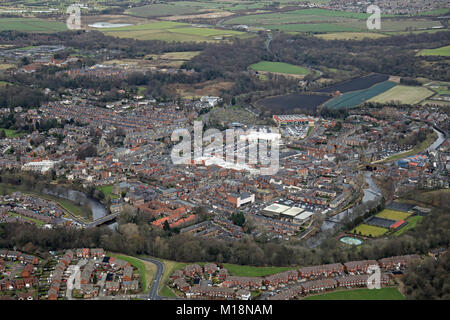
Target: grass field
{"x": 350, "y": 36}
{"x": 369, "y": 231}
{"x": 279, "y": 67}
{"x": 404, "y": 95}
{"x": 107, "y": 190}
{"x": 10, "y": 133}
{"x": 393, "y": 215}
{"x": 173, "y": 31}
{"x": 443, "y": 51}
{"x": 31, "y": 25}
{"x": 355, "y": 98}
{"x": 250, "y": 271}
{"x": 411, "y": 224}
{"x": 33, "y": 220}
{"x": 147, "y": 270}
{"x": 360, "y": 294}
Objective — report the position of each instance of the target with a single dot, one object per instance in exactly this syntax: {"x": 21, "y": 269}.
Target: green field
{"x": 33, "y": 220}
{"x": 279, "y": 67}
{"x": 443, "y": 51}
{"x": 10, "y": 133}
{"x": 350, "y": 36}
{"x": 393, "y": 214}
{"x": 355, "y": 98}
{"x": 369, "y": 231}
{"x": 172, "y": 31}
{"x": 31, "y": 25}
{"x": 361, "y": 294}
{"x": 403, "y": 95}
{"x": 411, "y": 224}
{"x": 250, "y": 271}
{"x": 107, "y": 190}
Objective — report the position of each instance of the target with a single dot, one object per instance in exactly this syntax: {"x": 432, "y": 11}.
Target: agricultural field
{"x": 443, "y": 51}
{"x": 369, "y": 231}
{"x": 350, "y": 36}
{"x": 353, "y": 99}
{"x": 360, "y": 294}
{"x": 293, "y": 103}
{"x": 355, "y": 84}
{"x": 31, "y": 25}
{"x": 279, "y": 67}
{"x": 173, "y": 31}
{"x": 393, "y": 214}
{"x": 404, "y": 95}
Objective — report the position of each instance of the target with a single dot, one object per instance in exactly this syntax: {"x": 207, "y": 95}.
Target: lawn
{"x": 360, "y": 294}
{"x": 107, "y": 190}
{"x": 411, "y": 224}
{"x": 443, "y": 51}
{"x": 250, "y": 271}
{"x": 166, "y": 292}
{"x": 10, "y": 133}
{"x": 147, "y": 270}
{"x": 369, "y": 231}
{"x": 33, "y": 220}
{"x": 393, "y": 215}
{"x": 279, "y": 67}
{"x": 404, "y": 95}
{"x": 31, "y": 25}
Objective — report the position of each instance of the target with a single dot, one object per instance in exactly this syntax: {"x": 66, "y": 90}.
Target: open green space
{"x": 360, "y": 294}
{"x": 279, "y": 67}
{"x": 393, "y": 215}
{"x": 10, "y": 133}
{"x": 173, "y": 31}
{"x": 107, "y": 191}
{"x": 250, "y": 271}
{"x": 369, "y": 231}
{"x": 404, "y": 95}
{"x": 443, "y": 51}
{"x": 33, "y": 220}
{"x": 355, "y": 98}
{"x": 31, "y": 25}
{"x": 410, "y": 225}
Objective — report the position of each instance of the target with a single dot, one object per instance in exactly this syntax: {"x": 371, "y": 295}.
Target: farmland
{"x": 31, "y": 25}
{"x": 279, "y": 67}
{"x": 353, "y": 99}
{"x": 393, "y": 214}
{"x": 294, "y": 103}
{"x": 356, "y": 84}
{"x": 443, "y": 51}
{"x": 404, "y": 95}
{"x": 369, "y": 231}
{"x": 172, "y": 31}
{"x": 350, "y": 36}
{"x": 361, "y": 294}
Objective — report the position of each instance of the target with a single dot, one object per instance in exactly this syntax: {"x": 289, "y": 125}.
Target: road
{"x": 153, "y": 294}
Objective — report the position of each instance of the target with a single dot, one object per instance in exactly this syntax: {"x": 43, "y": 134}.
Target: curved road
{"x": 153, "y": 294}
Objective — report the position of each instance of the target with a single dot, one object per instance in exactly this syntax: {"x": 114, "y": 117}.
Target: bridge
{"x": 103, "y": 220}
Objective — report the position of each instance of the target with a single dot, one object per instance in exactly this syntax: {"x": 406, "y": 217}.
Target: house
{"x": 326, "y": 270}
{"x": 210, "y": 268}
{"x": 52, "y": 294}
{"x": 398, "y": 262}
{"x": 27, "y": 271}
{"x": 24, "y": 258}
{"x": 13, "y": 255}
{"x": 97, "y": 253}
{"x": 25, "y": 296}
{"x": 88, "y": 290}
{"x": 353, "y": 267}
{"x": 83, "y": 253}
{"x": 210, "y": 292}
{"x": 318, "y": 285}
{"x": 130, "y": 285}
{"x": 223, "y": 274}
{"x": 192, "y": 269}
{"x": 243, "y": 282}
{"x": 243, "y": 294}
{"x": 359, "y": 280}
{"x": 181, "y": 284}
{"x": 281, "y": 278}
{"x": 112, "y": 286}
{"x": 177, "y": 274}
{"x": 127, "y": 273}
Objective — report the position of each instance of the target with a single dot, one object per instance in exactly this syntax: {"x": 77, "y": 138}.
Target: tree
{"x": 238, "y": 219}
{"x": 166, "y": 226}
